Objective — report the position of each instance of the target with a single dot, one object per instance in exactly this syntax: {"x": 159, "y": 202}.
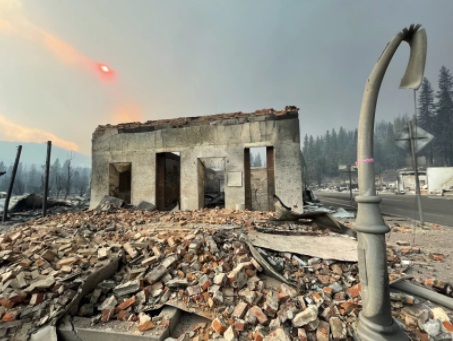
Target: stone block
{"x": 305, "y": 317}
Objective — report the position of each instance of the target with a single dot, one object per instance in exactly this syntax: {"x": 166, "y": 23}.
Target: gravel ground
{"x": 435, "y": 239}
{"x": 432, "y": 241}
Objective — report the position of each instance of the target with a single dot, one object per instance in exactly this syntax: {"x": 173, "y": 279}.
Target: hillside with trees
{"x": 64, "y": 179}
{"x": 323, "y": 154}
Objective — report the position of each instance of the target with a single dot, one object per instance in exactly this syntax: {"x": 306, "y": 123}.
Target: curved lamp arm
{"x": 416, "y": 37}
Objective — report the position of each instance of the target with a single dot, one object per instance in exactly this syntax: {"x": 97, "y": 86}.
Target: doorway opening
{"x": 259, "y": 178}
{"x": 120, "y": 180}
{"x": 168, "y": 179}
{"x": 211, "y": 182}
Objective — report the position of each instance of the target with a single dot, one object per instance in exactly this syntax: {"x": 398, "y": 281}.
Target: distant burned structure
{"x": 189, "y": 161}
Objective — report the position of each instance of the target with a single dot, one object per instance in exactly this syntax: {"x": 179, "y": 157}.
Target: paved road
{"x": 436, "y": 209}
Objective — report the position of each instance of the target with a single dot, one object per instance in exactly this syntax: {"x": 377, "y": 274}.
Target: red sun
{"x": 104, "y": 68}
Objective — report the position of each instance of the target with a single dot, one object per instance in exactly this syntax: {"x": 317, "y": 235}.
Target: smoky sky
{"x": 177, "y": 58}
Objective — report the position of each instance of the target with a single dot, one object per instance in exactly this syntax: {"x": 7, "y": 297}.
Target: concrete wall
{"x": 439, "y": 178}
{"x": 225, "y": 139}
{"x": 406, "y": 182}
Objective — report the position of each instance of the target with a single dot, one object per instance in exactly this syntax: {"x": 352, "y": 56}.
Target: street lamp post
{"x": 375, "y": 320}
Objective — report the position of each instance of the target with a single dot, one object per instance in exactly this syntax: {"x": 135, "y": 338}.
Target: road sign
{"x": 347, "y": 168}
{"x": 421, "y": 138}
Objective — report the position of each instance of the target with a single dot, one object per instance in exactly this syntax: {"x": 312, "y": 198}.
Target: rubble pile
{"x": 409, "y": 256}
{"x": 431, "y": 323}
{"x": 124, "y": 218}
{"x": 42, "y": 268}
{"x": 182, "y": 259}
{"x": 213, "y": 273}
{"x": 208, "y": 269}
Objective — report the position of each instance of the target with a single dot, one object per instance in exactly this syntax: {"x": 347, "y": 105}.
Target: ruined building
{"x": 190, "y": 162}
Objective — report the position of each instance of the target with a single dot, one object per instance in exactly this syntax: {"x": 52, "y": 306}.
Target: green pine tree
{"x": 444, "y": 118}
{"x": 426, "y": 116}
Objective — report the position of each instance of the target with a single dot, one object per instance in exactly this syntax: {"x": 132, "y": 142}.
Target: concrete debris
{"x": 342, "y": 213}
{"x": 34, "y": 201}
{"x": 34, "y": 290}
{"x": 146, "y": 206}
{"x": 179, "y": 259}
{"x": 320, "y": 218}
{"x": 109, "y": 203}
{"x": 48, "y": 333}
{"x": 327, "y": 247}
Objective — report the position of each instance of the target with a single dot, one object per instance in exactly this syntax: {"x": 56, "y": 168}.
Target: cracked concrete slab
{"x": 48, "y": 333}
{"x": 105, "y": 272}
{"x": 80, "y": 328}
{"x": 325, "y": 247}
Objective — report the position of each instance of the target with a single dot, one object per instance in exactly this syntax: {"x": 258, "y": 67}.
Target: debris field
{"x": 125, "y": 265}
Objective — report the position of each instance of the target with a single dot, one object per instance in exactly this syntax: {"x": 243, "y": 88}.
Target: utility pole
{"x": 350, "y": 185}
{"x": 415, "y": 139}
{"x": 415, "y": 164}
{"x": 46, "y": 184}
{"x": 11, "y": 184}
{"x": 349, "y": 169}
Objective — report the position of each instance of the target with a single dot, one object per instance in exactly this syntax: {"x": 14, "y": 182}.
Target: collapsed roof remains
{"x": 182, "y": 162}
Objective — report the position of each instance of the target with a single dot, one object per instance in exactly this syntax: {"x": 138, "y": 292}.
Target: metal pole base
{"x": 365, "y": 330}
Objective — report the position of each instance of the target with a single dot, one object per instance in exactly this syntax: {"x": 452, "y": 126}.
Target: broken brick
{"x": 9, "y": 316}
{"x": 37, "y": 298}
{"x": 301, "y": 334}
{"x": 125, "y": 304}
{"x": 323, "y": 331}
{"x": 205, "y": 282}
{"x": 258, "y": 334}
{"x": 230, "y": 334}
{"x": 66, "y": 261}
{"x": 337, "y": 328}
{"x": 156, "y": 274}
{"x": 194, "y": 290}
{"x": 306, "y": 316}
{"x": 240, "y": 310}
{"x": 354, "y": 291}
{"x": 257, "y": 266}
{"x": 327, "y": 291}
{"x": 257, "y": 313}
{"x": 130, "y": 250}
{"x": 6, "y": 303}
{"x": 146, "y": 325}
{"x": 124, "y": 315}
{"x": 278, "y": 334}
{"x": 448, "y": 326}
{"x": 271, "y": 305}
{"x": 239, "y": 325}
{"x": 107, "y": 314}
{"x": 437, "y": 257}
{"x": 219, "y": 325}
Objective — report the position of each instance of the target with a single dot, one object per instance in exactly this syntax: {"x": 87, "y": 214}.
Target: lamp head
{"x": 415, "y": 36}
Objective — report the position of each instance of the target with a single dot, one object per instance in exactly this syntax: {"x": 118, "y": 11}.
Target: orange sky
{"x": 11, "y": 131}
{"x": 17, "y": 24}
{"x": 215, "y": 57}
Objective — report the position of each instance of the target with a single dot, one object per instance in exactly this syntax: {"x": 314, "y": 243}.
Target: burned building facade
{"x": 187, "y": 162}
